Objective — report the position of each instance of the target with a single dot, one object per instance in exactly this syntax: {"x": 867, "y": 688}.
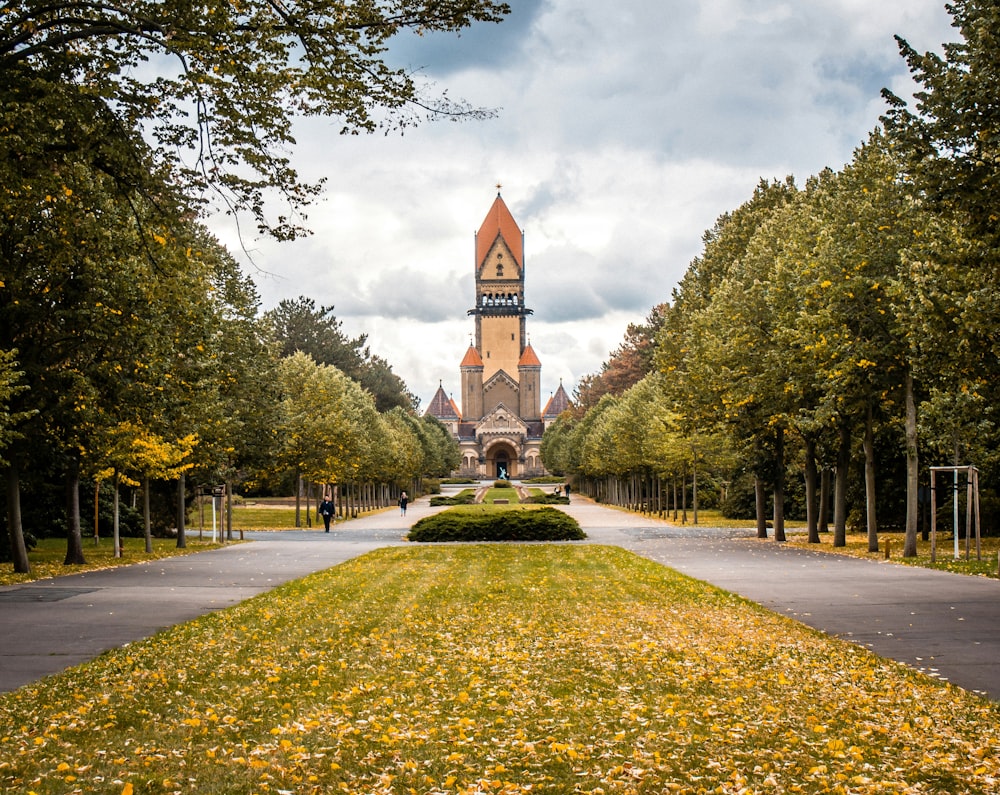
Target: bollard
{"x": 887, "y": 549}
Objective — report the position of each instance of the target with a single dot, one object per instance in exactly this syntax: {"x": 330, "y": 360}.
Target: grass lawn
{"x": 47, "y": 557}
{"x": 501, "y": 494}
{"x": 495, "y": 669}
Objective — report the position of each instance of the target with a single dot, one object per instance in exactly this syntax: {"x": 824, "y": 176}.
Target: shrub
{"x": 502, "y": 484}
{"x": 542, "y": 524}
{"x": 466, "y": 497}
{"x": 457, "y": 481}
{"x": 548, "y": 499}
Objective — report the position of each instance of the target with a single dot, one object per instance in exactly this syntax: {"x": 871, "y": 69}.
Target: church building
{"x": 500, "y": 424}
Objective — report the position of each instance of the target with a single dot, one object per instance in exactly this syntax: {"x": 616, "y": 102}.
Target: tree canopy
{"x": 215, "y": 87}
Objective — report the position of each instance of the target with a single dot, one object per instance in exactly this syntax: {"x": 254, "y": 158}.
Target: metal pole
{"x": 968, "y": 510}
{"x": 954, "y": 508}
{"x": 933, "y": 516}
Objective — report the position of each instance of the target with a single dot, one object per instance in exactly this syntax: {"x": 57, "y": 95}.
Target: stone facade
{"x": 500, "y": 424}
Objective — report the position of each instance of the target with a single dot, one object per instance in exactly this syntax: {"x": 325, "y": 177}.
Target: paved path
{"x": 947, "y": 625}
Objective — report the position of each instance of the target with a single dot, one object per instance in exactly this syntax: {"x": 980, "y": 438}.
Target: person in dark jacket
{"x": 403, "y": 499}
{"x": 326, "y": 511}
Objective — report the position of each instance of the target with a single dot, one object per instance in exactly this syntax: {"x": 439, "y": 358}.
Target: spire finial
{"x": 499, "y": 186}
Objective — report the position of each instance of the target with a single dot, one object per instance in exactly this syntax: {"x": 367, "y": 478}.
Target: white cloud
{"x": 625, "y": 130}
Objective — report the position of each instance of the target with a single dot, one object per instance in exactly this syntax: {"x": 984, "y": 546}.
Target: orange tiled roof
{"x": 528, "y": 358}
{"x": 472, "y": 358}
{"x": 499, "y": 222}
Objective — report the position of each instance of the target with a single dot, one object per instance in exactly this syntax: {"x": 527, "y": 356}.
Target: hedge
{"x": 542, "y": 524}
{"x": 465, "y": 497}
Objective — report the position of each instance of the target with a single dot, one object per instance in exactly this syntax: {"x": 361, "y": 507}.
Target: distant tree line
{"x": 832, "y": 341}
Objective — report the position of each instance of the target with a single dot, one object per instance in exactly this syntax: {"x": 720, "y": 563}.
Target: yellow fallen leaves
{"x": 496, "y": 669}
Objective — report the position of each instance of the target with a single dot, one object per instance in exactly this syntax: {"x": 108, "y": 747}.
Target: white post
{"x": 213, "y": 517}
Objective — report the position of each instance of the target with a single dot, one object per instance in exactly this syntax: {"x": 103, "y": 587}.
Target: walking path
{"x": 944, "y": 624}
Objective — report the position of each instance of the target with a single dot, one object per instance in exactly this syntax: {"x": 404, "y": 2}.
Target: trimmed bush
{"x": 548, "y": 499}
{"x": 541, "y": 524}
{"x": 502, "y": 484}
{"x": 465, "y": 497}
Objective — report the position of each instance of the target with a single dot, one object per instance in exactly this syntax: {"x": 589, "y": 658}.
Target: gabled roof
{"x": 557, "y": 404}
{"x": 499, "y": 223}
{"x": 472, "y": 358}
{"x": 499, "y": 377}
{"x": 528, "y": 358}
{"x": 443, "y": 407}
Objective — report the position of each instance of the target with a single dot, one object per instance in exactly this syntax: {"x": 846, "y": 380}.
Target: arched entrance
{"x": 501, "y": 460}
{"x": 502, "y": 463}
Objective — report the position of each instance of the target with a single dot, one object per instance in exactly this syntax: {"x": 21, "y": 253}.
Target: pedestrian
{"x": 403, "y": 499}
{"x": 326, "y": 511}
{"x": 566, "y": 491}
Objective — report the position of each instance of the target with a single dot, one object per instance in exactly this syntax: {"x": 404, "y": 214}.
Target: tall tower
{"x": 500, "y": 311}
{"x": 500, "y": 426}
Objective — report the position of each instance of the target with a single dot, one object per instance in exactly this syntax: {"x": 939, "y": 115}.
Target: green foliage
{"x": 457, "y": 524}
{"x": 228, "y": 82}
{"x": 548, "y": 499}
{"x": 464, "y": 497}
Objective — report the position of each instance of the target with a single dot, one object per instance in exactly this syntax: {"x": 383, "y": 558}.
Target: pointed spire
{"x": 472, "y": 358}
{"x": 499, "y": 223}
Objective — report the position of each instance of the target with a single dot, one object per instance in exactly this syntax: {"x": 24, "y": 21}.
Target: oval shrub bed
{"x": 542, "y": 524}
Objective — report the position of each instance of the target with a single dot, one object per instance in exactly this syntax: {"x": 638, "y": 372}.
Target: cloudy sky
{"x": 623, "y": 131}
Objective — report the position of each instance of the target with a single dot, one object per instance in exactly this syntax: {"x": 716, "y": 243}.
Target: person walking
{"x": 403, "y": 499}
{"x": 326, "y": 511}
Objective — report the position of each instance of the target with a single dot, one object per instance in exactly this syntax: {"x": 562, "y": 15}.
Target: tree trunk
{"x": 181, "y": 517}
{"x": 823, "y": 514}
{"x": 840, "y": 488}
{"x": 694, "y": 494}
{"x": 74, "y": 539}
{"x": 812, "y": 525}
{"x": 684, "y": 498}
{"x": 18, "y": 550}
{"x": 146, "y": 523}
{"x": 229, "y": 511}
{"x": 758, "y": 491}
{"x": 97, "y": 512}
{"x": 779, "y": 485}
{"x": 298, "y": 500}
{"x": 869, "y": 445}
{"x": 116, "y": 513}
{"x": 912, "y": 470}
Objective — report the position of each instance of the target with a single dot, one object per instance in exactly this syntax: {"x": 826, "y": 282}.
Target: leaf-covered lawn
{"x": 857, "y": 546}
{"x": 496, "y": 669}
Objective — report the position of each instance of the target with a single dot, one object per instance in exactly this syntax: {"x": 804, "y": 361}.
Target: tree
{"x": 299, "y": 325}
{"x": 227, "y": 81}
{"x": 951, "y": 155}
{"x": 949, "y": 141}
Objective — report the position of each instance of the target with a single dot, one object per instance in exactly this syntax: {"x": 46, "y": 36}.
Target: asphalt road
{"x": 946, "y": 625}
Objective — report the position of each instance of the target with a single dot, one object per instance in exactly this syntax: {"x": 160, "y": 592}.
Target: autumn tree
{"x": 627, "y": 365}
{"x": 216, "y": 87}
